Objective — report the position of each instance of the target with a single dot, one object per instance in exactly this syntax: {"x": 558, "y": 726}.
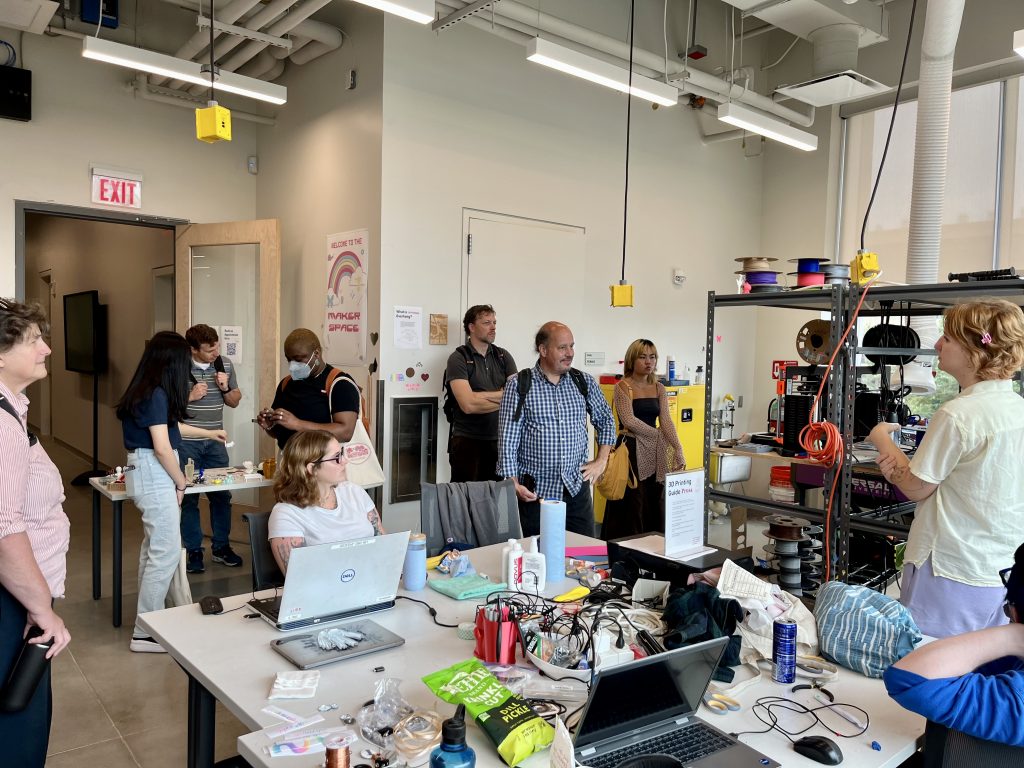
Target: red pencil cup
{"x": 495, "y": 639}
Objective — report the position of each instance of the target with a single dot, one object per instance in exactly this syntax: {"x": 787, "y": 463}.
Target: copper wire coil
{"x": 337, "y": 757}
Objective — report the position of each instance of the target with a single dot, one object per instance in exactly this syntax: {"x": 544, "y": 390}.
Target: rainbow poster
{"x": 344, "y": 332}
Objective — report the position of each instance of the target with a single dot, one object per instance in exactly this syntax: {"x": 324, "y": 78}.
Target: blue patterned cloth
{"x": 861, "y": 629}
{"x": 549, "y": 440}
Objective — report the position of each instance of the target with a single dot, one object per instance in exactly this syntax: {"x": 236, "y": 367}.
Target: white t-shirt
{"x": 974, "y": 521}
{"x": 325, "y": 526}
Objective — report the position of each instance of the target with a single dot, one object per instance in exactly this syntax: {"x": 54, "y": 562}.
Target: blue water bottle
{"x": 414, "y": 574}
{"x": 453, "y": 752}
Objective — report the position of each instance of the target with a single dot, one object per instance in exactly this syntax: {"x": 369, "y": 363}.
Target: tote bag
{"x": 363, "y": 468}
{"x": 617, "y": 475}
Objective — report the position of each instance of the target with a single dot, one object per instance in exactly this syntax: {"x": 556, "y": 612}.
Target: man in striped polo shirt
{"x": 214, "y": 385}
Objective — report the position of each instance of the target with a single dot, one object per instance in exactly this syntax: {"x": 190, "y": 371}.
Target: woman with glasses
{"x": 648, "y": 433}
{"x": 315, "y": 502}
{"x": 967, "y": 476}
{"x": 973, "y": 682}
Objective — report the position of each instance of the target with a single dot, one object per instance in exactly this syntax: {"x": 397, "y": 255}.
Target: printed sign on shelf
{"x": 779, "y": 365}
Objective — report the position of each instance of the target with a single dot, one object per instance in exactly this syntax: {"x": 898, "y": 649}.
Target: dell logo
{"x": 347, "y": 575}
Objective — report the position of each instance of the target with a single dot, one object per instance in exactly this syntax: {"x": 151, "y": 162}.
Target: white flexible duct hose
{"x": 313, "y": 39}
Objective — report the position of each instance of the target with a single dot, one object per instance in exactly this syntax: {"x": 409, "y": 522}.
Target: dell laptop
{"x": 649, "y": 706}
{"x": 330, "y": 582}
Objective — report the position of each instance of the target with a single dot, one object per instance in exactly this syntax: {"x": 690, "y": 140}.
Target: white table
{"x": 228, "y": 658}
{"x": 117, "y": 500}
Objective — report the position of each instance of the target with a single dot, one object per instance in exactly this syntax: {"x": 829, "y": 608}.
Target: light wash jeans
{"x": 152, "y": 491}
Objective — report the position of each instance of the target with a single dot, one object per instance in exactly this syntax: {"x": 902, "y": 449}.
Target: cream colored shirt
{"x": 974, "y": 452}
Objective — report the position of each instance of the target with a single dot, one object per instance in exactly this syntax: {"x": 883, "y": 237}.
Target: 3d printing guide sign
{"x": 684, "y": 512}
{"x": 345, "y": 309}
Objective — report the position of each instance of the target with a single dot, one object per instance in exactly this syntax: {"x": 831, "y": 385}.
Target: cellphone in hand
{"x": 529, "y": 483}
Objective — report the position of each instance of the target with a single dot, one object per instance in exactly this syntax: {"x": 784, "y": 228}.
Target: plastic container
{"x": 454, "y": 752}
{"x": 670, "y": 368}
{"x": 552, "y": 538}
{"x": 24, "y": 679}
{"x": 414, "y": 573}
{"x": 534, "y": 569}
{"x": 698, "y": 375}
{"x": 514, "y": 566}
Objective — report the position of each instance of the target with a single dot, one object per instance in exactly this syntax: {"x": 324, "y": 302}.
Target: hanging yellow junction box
{"x": 213, "y": 123}
{"x": 622, "y": 295}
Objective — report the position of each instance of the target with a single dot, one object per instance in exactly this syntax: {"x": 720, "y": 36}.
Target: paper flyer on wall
{"x": 345, "y": 302}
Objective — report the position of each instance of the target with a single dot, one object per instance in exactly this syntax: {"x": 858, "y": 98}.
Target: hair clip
{"x": 986, "y": 338}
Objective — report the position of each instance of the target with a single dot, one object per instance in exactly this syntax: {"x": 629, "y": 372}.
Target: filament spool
{"x": 786, "y": 527}
{"x": 813, "y": 343}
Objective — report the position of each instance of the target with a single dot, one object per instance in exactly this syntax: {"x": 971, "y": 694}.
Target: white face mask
{"x": 300, "y": 371}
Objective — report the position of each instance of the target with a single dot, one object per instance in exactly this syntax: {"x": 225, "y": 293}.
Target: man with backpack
{"x": 306, "y": 399}
{"x": 543, "y": 441}
{"x": 474, "y": 380}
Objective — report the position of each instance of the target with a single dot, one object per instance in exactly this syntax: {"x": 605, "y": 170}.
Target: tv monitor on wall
{"x": 85, "y": 333}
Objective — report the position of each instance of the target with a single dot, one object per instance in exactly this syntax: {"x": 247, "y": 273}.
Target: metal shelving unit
{"x": 840, "y": 301}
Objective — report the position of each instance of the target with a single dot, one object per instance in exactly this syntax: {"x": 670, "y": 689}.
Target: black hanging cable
{"x": 892, "y": 122}
{"x": 629, "y": 117}
{"x": 212, "y": 71}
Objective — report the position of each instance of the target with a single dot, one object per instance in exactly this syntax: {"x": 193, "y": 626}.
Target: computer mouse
{"x": 819, "y": 749}
{"x": 211, "y": 604}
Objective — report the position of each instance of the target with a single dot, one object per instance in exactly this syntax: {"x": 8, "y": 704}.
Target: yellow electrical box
{"x": 213, "y": 123}
{"x": 864, "y": 267}
{"x": 622, "y": 295}
{"x": 686, "y": 407}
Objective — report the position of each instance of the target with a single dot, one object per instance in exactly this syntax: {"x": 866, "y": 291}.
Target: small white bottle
{"x": 670, "y": 368}
{"x": 504, "y": 556}
{"x": 534, "y": 569}
{"x": 514, "y": 570}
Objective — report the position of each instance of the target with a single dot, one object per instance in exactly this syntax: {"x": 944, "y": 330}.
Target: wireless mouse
{"x": 819, "y": 749}
{"x": 210, "y": 604}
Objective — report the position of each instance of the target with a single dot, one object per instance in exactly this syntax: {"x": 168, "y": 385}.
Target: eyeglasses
{"x": 1004, "y": 575}
{"x": 336, "y": 458}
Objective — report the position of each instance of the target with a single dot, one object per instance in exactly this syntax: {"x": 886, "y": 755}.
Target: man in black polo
{"x": 476, "y": 376}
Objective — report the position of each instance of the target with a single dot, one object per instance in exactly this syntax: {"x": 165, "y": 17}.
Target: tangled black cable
{"x": 763, "y": 708}
{"x": 433, "y": 611}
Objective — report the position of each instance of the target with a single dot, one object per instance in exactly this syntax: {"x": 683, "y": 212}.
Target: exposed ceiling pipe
{"x": 311, "y": 39}
{"x": 525, "y": 24}
{"x": 200, "y": 40}
{"x": 259, "y": 65}
{"x": 300, "y": 12}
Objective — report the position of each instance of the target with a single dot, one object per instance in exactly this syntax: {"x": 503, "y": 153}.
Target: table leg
{"x": 96, "y": 554}
{"x": 202, "y": 725}
{"x": 118, "y": 564}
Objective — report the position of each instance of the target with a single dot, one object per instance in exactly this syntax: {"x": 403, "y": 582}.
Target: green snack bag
{"x": 516, "y": 730}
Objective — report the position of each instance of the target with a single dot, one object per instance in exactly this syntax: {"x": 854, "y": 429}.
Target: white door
{"x": 530, "y": 271}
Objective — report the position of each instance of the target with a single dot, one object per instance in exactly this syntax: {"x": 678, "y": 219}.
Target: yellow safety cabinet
{"x": 686, "y": 406}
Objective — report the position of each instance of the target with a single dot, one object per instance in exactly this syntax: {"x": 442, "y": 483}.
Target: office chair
{"x": 490, "y": 513}
{"x": 946, "y": 748}
{"x": 265, "y": 573}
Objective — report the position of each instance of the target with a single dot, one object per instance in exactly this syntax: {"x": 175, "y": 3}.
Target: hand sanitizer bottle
{"x": 534, "y": 569}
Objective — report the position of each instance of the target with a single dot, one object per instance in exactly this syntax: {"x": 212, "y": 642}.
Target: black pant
{"x": 473, "y": 459}
{"x": 640, "y": 510}
{"x": 579, "y": 513}
{"x": 26, "y": 734}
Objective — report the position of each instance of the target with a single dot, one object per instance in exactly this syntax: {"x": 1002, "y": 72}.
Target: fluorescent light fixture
{"x": 1018, "y": 42}
{"x": 420, "y": 11}
{"x": 597, "y": 71}
{"x": 769, "y": 127}
{"x": 180, "y": 69}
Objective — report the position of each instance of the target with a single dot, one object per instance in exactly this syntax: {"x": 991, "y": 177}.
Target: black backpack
{"x": 525, "y": 381}
{"x": 449, "y": 405}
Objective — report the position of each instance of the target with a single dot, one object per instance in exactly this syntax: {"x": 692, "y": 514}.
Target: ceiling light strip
{"x": 764, "y": 125}
{"x": 597, "y": 71}
{"x": 420, "y": 11}
{"x": 180, "y": 69}
{"x": 1018, "y": 42}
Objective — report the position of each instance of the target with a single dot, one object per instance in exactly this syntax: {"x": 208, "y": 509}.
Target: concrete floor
{"x": 113, "y": 707}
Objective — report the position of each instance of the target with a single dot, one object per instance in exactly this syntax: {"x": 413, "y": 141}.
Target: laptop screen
{"x": 648, "y": 691}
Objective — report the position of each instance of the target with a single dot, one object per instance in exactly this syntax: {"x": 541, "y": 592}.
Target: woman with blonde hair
{"x": 647, "y": 431}
{"x": 967, "y": 476}
{"x": 316, "y": 502}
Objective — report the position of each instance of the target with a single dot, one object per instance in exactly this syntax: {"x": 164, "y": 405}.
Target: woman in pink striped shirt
{"x": 34, "y": 531}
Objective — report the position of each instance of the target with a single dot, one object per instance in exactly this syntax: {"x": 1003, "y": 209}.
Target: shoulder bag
{"x": 618, "y": 474}
{"x": 363, "y": 467}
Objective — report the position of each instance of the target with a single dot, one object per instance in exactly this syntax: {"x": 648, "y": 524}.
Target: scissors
{"x": 720, "y": 704}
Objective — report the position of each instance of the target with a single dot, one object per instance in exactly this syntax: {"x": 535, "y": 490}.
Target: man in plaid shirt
{"x": 545, "y": 450}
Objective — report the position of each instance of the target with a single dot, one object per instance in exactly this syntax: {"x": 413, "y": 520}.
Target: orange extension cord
{"x": 827, "y": 435}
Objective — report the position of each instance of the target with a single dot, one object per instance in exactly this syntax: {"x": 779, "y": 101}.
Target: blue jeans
{"x": 205, "y": 454}
{"x": 152, "y": 491}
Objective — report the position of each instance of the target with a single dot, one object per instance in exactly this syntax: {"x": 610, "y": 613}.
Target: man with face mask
{"x": 302, "y": 402}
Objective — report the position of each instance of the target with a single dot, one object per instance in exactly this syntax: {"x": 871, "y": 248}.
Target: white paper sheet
{"x": 408, "y": 327}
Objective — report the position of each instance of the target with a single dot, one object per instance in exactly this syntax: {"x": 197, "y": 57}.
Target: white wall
{"x": 82, "y": 115}
{"x": 469, "y": 123}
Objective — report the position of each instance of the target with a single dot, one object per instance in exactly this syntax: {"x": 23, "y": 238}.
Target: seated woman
{"x": 973, "y": 683}
{"x": 316, "y": 503}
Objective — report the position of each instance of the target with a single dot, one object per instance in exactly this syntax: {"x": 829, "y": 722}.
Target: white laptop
{"x": 329, "y": 582}
{"x": 649, "y": 706}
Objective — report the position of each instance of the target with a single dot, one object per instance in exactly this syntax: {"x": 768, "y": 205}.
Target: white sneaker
{"x": 146, "y": 645}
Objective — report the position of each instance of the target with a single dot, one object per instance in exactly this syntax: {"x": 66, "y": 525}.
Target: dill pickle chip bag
{"x": 516, "y": 730}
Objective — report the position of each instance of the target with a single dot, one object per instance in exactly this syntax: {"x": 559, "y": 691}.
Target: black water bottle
{"x": 25, "y": 675}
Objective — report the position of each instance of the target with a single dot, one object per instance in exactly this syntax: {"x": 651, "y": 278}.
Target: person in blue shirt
{"x": 542, "y": 442}
{"x": 151, "y": 411}
{"x": 972, "y": 682}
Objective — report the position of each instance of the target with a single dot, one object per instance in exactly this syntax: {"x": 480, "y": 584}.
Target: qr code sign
{"x": 232, "y": 348}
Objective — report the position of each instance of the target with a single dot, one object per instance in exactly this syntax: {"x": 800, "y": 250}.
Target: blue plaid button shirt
{"x": 549, "y": 440}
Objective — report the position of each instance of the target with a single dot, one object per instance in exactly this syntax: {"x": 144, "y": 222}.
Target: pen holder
{"x": 495, "y": 640}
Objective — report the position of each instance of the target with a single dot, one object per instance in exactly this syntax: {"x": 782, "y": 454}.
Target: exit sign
{"x": 119, "y": 188}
